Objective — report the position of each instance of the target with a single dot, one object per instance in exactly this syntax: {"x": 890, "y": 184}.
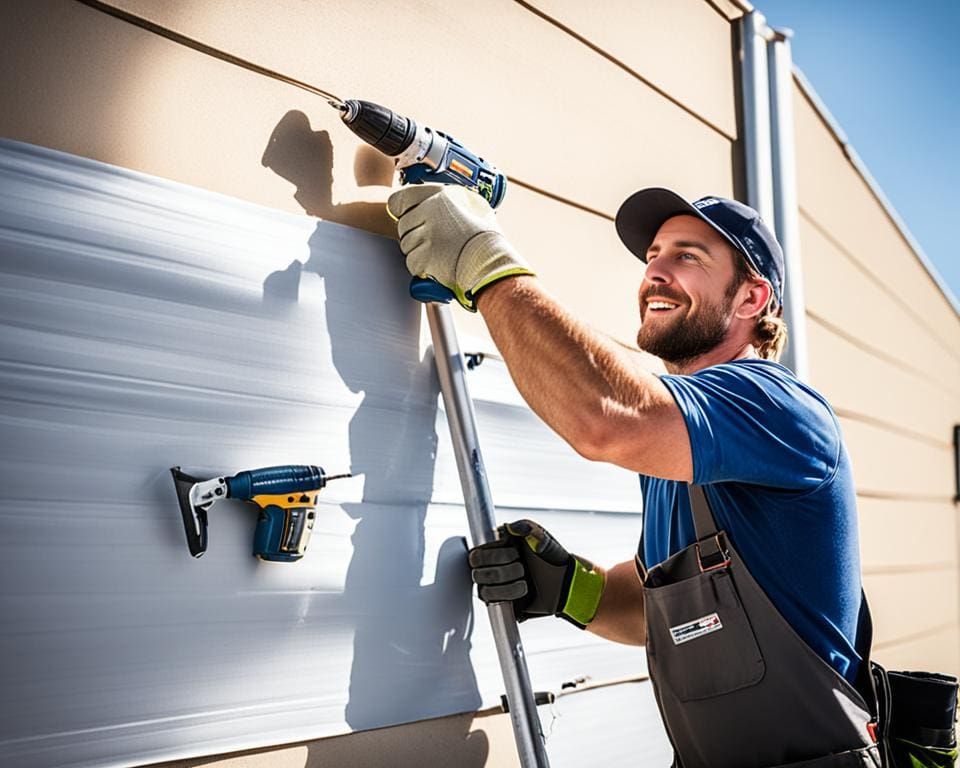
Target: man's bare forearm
{"x": 588, "y": 388}
{"x": 620, "y": 614}
{"x": 573, "y": 377}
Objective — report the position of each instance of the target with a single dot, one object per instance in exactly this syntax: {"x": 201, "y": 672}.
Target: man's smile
{"x": 659, "y": 305}
{"x": 656, "y": 303}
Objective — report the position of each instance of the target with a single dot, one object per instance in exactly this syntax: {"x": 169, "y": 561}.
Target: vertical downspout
{"x": 786, "y": 205}
{"x": 756, "y": 115}
{"x": 770, "y": 163}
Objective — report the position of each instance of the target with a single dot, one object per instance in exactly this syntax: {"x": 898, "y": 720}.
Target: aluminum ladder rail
{"x": 480, "y": 513}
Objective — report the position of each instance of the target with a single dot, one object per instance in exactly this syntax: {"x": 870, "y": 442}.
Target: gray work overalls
{"x": 736, "y": 686}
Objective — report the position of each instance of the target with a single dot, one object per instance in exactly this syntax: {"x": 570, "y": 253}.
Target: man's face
{"x": 688, "y": 293}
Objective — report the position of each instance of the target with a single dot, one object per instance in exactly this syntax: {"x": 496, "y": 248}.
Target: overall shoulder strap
{"x": 872, "y": 682}
{"x": 703, "y": 521}
{"x": 711, "y": 553}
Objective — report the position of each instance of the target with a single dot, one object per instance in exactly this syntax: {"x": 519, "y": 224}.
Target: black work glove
{"x": 528, "y": 567}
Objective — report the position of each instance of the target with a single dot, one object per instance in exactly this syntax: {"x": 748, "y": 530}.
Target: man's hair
{"x": 770, "y": 332}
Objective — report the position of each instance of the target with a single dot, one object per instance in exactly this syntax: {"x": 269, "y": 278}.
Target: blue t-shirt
{"x": 769, "y": 452}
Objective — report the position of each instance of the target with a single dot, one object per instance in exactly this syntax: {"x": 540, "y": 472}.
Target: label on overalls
{"x": 683, "y": 633}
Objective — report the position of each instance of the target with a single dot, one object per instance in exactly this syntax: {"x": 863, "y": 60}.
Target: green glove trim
{"x": 466, "y": 301}
{"x": 475, "y": 291}
{"x": 586, "y": 589}
{"x": 390, "y": 213}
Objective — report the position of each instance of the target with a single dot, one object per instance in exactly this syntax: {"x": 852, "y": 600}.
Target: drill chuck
{"x": 380, "y": 127}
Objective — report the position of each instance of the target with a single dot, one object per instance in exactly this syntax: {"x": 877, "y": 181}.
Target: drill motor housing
{"x": 421, "y": 153}
{"x": 286, "y": 495}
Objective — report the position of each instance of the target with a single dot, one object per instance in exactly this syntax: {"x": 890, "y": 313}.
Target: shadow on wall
{"x": 411, "y": 656}
{"x": 435, "y": 743}
{"x": 304, "y": 157}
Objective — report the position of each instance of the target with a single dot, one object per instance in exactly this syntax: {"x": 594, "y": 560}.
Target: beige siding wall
{"x": 885, "y": 349}
{"x": 460, "y": 741}
{"x": 580, "y": 107}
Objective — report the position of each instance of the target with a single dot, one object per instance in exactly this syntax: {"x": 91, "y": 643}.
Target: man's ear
{"x": 755, "y": 299}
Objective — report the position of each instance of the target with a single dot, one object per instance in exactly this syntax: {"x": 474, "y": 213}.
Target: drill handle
{"x": 457, "y": 165}
{"x": 427, "y": 290}
{"x": 289, "y": 478}
{"x": 194, "y": 514}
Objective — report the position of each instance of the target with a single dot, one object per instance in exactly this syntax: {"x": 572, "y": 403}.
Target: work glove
{"x": 528, "y": 567}
{"x": 450, "y": 234}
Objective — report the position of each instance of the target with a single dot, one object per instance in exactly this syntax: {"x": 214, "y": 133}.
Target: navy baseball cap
{"x": 642, "y": 214}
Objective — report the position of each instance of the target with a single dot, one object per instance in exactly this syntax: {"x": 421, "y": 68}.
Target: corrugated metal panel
{"x": 147, "y": 324}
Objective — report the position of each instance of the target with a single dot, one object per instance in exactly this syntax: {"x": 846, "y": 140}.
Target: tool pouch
{"x": 918, "y": 711}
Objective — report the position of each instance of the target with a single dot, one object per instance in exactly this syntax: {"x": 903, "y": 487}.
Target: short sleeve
{"x": 754, "y": 422}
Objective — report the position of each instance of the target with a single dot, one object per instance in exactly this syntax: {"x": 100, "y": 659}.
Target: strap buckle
{"x": 640, "y": 567}
{"x": 721, "y": 553}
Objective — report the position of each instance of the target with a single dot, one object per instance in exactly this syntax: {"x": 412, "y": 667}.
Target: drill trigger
{"x": 428, "y": 290}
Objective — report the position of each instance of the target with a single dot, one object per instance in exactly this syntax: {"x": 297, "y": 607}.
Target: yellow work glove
{"x": 451, "y": 234}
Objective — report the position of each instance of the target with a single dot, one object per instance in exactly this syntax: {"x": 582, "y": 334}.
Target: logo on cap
{"x": 707, "y": 201}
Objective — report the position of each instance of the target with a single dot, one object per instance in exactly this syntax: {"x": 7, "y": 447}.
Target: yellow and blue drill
{"x": 422, "y": 155}
{"x": 287, "y": 496}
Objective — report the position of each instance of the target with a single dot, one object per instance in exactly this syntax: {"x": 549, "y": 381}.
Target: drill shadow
{"x": 411, "y": 656}
{"x": 304, "y": 157}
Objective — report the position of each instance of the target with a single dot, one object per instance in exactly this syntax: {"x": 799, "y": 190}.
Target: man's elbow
{"x": 598, "y": 435}
{"x": 587, "y": 451}
{"x": 596, "y": 444}
{"x": 636, "y": 451}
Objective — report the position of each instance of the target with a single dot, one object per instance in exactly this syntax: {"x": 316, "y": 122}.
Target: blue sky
{"x": 890, "y": 74}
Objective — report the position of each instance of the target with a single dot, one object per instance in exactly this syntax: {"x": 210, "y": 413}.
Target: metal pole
{"x": 956, "y": 462}
{"x": 785, "y": 200}
{"x": 756, "y": 116}
{"x": 480, "y": 513}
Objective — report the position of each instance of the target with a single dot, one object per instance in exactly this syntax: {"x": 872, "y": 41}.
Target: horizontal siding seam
{"x": 865, "y": 493}
{"x": 626, "y": 68}
{"x": 577, "y": 686}
{"x": 855, "y": 262}
{"x": 138, "y": 386}
{"x": 879, "y": 353}
{"x": 560, "y": 199}
{"x": 901, "y": 570}
{"x": 860, "y": 168}
{"x": 904, "y": 639}
{"x": 188, "y": 42}
{"x": 891, "y": 426}
{"x": 726, "y": 16}
{"x": 196, "y": 45}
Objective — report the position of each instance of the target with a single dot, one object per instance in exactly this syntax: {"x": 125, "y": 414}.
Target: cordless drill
{"x": 287, "y": 497}
{"x": 423, "y": 155}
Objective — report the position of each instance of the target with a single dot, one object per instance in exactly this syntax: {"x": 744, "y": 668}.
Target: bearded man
{"x": 746, "y": 584}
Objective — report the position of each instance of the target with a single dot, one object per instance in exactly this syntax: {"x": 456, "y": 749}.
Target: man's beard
{"x": 682, "y": 340}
